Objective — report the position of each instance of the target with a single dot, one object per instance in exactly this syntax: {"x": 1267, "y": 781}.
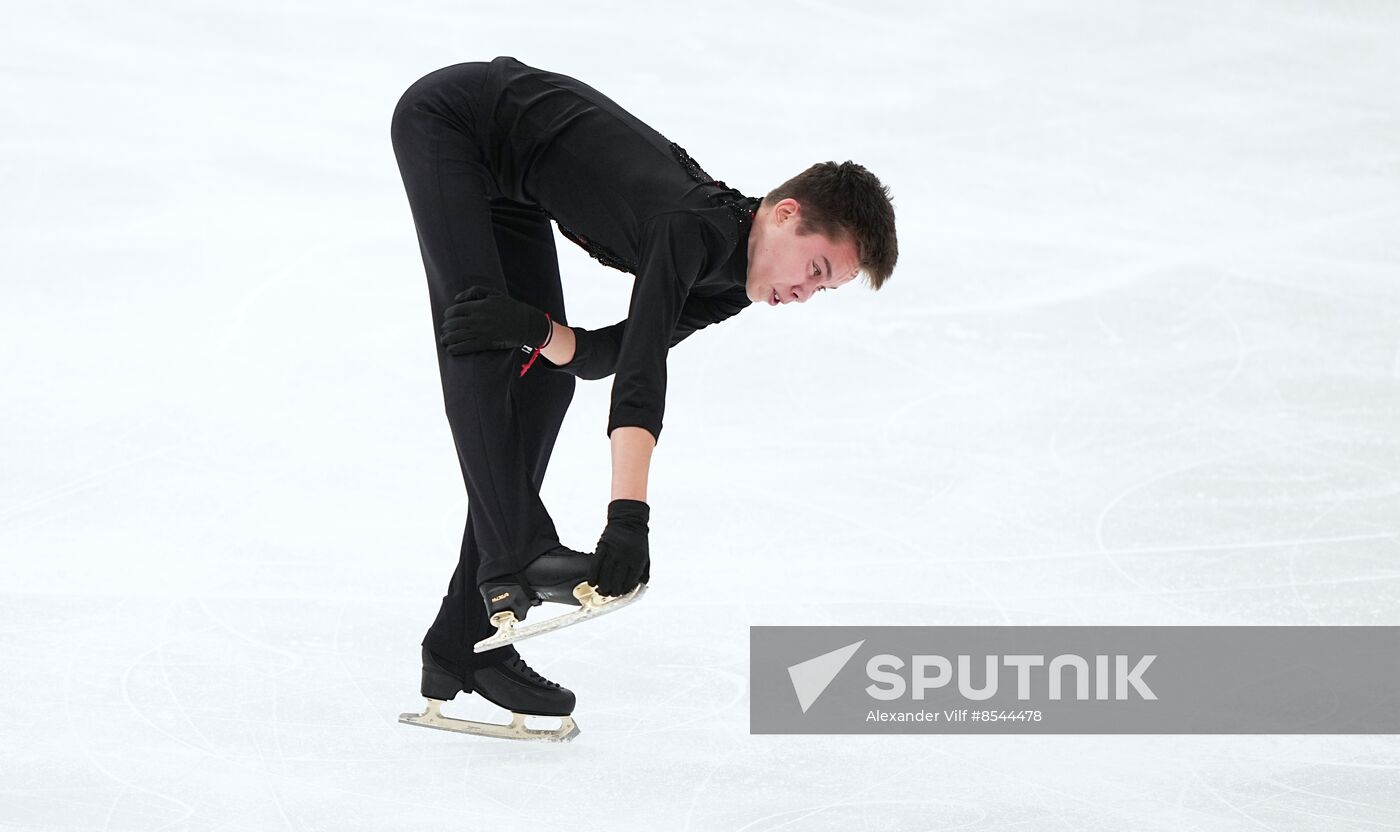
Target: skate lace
{"x": 528, "y": 672}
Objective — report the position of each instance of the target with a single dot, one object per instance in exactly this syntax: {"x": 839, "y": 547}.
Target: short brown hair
{"x": 846, "y": 201}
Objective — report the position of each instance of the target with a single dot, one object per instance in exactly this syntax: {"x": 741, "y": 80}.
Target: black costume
{"x": 489, "y": 154}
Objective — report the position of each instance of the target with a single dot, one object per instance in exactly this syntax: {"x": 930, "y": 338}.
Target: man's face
{"x": 785, "y": 266}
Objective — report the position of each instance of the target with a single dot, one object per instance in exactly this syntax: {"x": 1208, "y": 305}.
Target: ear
{"x": 786, "y": 209}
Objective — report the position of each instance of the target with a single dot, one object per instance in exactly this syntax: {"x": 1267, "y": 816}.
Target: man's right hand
{"x": 623, "y": 557}
{"x": 487, "y": 319}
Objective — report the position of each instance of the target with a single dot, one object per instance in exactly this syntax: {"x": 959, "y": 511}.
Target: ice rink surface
{"x": 1139, "y": 364}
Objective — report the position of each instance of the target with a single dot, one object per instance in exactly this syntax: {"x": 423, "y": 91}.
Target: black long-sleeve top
{"x": 635, "y": 201}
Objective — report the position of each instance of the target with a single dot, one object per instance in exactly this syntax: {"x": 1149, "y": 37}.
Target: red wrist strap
{"x": 536, "y": 353}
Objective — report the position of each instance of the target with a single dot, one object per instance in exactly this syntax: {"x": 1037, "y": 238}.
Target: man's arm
{"x": 677, "y": 250}
{"x": 592, "y": 354}
{"x": 631, "y": 461}
{"x": 562, "y": 345}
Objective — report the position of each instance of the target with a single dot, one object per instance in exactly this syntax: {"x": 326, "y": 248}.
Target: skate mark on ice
{"x": 1104, "y": 551}
{"x": 1235, "y": 808}
{"x": 738, "y": 683}
{"x": 803, "y": 813}
{"x": 127, "y": 785}
{"x": 80, "y": 484}
{"x": 1293, "y": 581}
{"x": 699, "y": 788}
{"x": 379, "y": 714}
{"x": 1297, "y": 541}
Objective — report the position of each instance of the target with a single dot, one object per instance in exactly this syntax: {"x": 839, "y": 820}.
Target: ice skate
{"x": 560, "y": 576}
{"x": 512, "y": 685}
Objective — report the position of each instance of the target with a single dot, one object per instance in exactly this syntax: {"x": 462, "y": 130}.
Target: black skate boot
{"x": 560, "y": 576}
{"x": 552, "y": 576}
{"x": 510, "y": 684}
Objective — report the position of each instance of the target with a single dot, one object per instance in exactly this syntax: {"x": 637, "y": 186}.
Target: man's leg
{"x": 525, "y": 241}
{"x": 503, "y": 425}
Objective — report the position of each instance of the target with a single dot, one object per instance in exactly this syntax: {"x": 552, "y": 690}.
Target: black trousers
{"x": 503, "y": 424}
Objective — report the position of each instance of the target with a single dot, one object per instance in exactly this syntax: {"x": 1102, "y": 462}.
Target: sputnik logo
{"x": 811, "y": 677}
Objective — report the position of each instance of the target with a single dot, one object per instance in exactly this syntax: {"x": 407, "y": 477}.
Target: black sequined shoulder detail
{"x": 691, "y": 166}
{"x": 743, "y": 207}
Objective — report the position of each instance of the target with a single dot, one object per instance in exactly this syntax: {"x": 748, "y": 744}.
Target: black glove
{"x": 487, "y": 319}
{"x": 623, "y": 557}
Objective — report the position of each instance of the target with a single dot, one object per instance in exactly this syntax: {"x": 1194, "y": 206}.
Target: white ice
{"x": 1139, "y": 364}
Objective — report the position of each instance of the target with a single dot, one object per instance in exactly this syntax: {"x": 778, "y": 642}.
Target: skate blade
{"x": 592, "y": 605}
{"x": 517, "y": 730}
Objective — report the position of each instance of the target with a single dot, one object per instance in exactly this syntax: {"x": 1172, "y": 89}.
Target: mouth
{"x": 773, "y": 298}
